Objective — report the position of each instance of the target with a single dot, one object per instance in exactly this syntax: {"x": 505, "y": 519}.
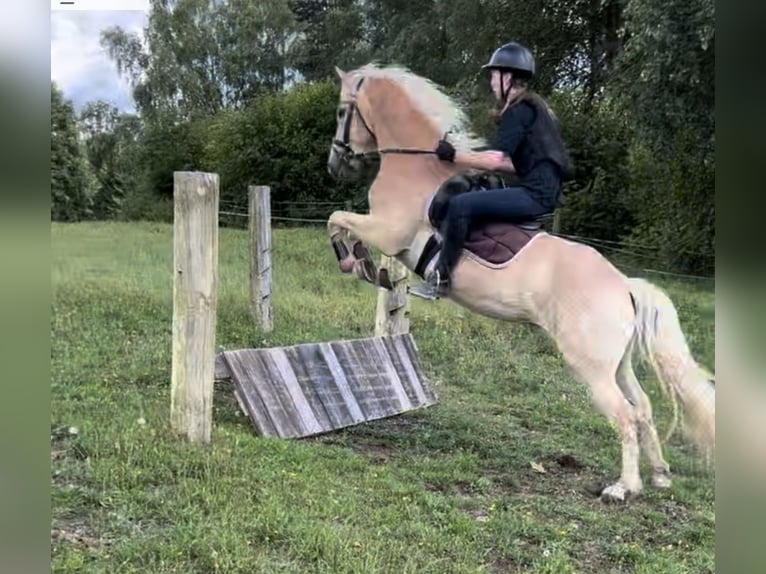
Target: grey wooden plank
{"x": 363, "y": 378}
{"x": 409, "y": 379}
{"x": 377, "y": 347}
{"x": 310, "y": 387}
{"x": 221, "y": 370}
{"x": 256, "y": 408}
{"x": 259, "y": 377}
{"x": 398, "y": 365}
{"x": 339, "y": 377}
{"x": 303, "y": 409}
{"x": 322, "y": 379}
{"x": 385, "y": 381}
{"x": 253, "y": 371}
{"x": 270, "y": 383}
{"x": 406, "y": 349}
{"x": 420, "y": 376}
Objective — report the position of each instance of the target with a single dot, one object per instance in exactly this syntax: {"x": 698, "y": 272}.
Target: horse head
{"x": 391, "y": 111}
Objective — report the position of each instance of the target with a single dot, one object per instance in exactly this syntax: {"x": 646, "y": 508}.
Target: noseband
{"x": 347, "y": 153}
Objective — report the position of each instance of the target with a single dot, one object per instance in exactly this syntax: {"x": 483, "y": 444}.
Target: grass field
{"x": 447, "y": 489}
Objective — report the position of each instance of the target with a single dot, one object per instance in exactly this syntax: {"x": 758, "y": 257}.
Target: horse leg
{"x": 340, "y": 244}
{"x": 361, "y": 230}
{"x": 389, "y": 235}
{"x": 593, "y": 335}
{"x": 626, "y": 379}
{"x": 610, "y": 401}
{"x": 354, "y": 257}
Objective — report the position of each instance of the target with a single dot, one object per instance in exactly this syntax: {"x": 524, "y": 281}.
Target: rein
{"x": 394, "y": 150}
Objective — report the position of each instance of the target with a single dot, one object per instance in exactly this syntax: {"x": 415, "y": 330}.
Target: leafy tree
{"x": 71, "y": 180}
{"x": 330, "y": 33}
{"x": 666, "y": 84}
{"x": 202, "y": 56}
{"x": 106, "y": 134}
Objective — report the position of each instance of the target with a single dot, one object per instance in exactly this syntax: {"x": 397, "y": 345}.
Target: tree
{"x": 330, "y": 33}
{"x": 110, "y": 140}
{"x": 666, "y": 85}
{"x": 202, "y": 56}
{"x": 71, "y": 180}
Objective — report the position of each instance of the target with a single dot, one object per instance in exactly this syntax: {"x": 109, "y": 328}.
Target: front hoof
{"x": 347, "y": 265}
{"x": 614, "y": 493}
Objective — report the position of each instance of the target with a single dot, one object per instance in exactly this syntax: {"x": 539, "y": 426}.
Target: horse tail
{"x": 662, "y": 343}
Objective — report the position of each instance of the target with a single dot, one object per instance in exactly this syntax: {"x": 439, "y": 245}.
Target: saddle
{"x": 497, "y": 243}
{"x": 494, "y": 243}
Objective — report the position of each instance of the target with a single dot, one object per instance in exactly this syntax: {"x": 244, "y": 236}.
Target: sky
{"x": 80, "y": 66}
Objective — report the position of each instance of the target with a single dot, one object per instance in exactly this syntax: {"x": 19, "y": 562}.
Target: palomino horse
{"x": 596, "y": 315}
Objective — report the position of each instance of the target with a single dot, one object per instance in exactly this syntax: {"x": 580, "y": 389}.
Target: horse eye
{"x": 341, "y": 113}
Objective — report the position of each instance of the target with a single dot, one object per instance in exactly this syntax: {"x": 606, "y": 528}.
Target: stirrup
{"x": 424, "y": 291}
{"x": 432, "y": 288}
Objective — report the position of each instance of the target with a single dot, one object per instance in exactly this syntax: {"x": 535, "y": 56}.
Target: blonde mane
{"x": 442, "y": 110}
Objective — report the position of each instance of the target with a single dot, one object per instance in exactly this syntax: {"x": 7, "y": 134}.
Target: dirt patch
{"x": 503, "y": 565}
{"x": 568, "y": 462}
{"x": 75, "y": 532}
{"x": 77, "y": 539}
{"x": 377, "y": 453}
{"x": 394, "y": 426}
{"x": 379, "y": 440}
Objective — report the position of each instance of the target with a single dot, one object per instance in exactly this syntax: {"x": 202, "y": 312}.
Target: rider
{"x": 527, "y": 143}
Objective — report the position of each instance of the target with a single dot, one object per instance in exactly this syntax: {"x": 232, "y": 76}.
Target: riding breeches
{"x": 510, "y": 204}
{"x": 469, "y": 210}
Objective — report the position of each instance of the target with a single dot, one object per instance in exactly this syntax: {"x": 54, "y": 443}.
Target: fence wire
{"x": 288, "y": 212}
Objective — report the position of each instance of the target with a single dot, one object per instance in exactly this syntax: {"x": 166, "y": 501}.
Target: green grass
{"x": 445, "y": 489}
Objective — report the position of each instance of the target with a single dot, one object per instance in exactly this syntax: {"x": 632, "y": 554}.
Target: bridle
{"x": 347, "y": 153}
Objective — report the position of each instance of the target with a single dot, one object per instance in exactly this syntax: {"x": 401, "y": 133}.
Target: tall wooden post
{"x": 557, "y": 221}
{"x": 260, "y": 256}
{"x": 195, "y": 292}
{"x": 392, "y": 315}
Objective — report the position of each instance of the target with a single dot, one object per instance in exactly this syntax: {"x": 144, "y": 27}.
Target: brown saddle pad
{"x": 498, "y": 242}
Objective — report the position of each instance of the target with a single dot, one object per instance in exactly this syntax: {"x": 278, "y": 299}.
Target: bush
{"x": 673, "y": 198}
{"x": 282, "y": 141}
{"x": 596, "y": 201}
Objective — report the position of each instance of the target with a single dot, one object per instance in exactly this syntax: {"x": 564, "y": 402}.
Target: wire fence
{"x": 630, "y": 257}
{"x": 643, "y": 258}
{"x": 235, "y": 214}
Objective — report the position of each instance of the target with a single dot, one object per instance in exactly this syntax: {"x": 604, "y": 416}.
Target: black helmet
{"x": 514, "y": 57}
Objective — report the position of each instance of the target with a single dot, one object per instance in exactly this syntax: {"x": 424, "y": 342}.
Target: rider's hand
{"x": 445, "y": 151}
{"x": 498, "y": 160}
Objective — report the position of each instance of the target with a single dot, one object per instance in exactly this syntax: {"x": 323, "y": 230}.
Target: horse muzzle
{"x": 343, "y": 163}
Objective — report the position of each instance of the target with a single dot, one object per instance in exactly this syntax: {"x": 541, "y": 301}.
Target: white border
{"x": 100, "y": 5}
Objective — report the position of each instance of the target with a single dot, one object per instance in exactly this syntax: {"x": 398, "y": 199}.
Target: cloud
{"x": 80, "y": 66}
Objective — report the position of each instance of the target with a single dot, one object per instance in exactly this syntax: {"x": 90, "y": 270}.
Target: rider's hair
{"x": 519, "y": 89}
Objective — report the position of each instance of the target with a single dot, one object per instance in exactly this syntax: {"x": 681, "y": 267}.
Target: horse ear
{"x": 341, "y": 73}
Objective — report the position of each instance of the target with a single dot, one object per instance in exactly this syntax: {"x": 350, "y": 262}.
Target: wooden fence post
{"x": 260, "y": 256}
{"x": 556, "y": 221}
{"x": 392, "y": 315}
{"x": 195, "y": 292}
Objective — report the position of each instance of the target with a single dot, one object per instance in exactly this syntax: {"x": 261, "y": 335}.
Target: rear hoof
{"x": 661, "y": 480}
{"x": 614, "y": 493}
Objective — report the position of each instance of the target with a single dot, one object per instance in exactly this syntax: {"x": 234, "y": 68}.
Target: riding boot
{"x": 454, "y": 233}
{"x": 438, "y": 280}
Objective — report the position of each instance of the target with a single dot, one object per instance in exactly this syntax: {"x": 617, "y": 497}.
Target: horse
{"x": 597, "y": 316}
